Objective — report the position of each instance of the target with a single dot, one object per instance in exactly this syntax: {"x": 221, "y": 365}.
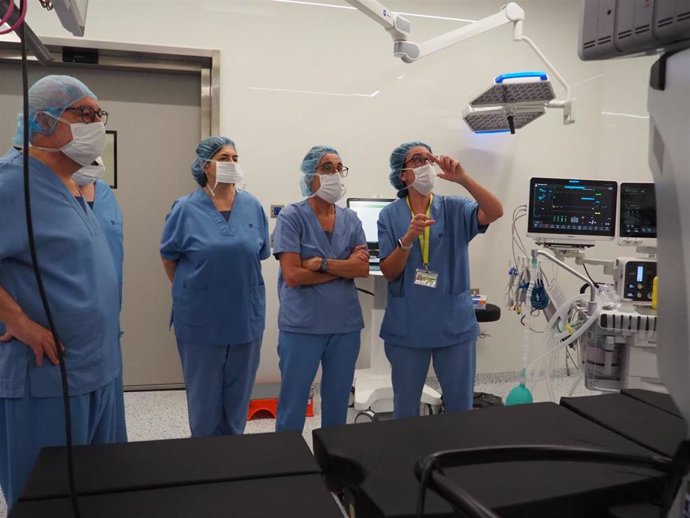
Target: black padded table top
{"x": 152, "y": 464}
{"x": 656, "y": 399}
{"x": 376, "y": 462}
{"x": 640, "y": 422}
{"x": 299, "y": 496}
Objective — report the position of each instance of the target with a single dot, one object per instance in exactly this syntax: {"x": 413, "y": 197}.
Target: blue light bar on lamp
{"x": 521, "y": 75}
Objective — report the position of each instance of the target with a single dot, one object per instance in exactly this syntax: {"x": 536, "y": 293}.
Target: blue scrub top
{"x": 417, "y": 316}
{"x": 109, "y": 216}
{"x": 79, "y": 277}
{"x": 218, "y": 291}
{"x": 329, "y": 308}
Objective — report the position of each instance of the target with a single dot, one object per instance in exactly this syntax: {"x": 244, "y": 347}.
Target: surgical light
{"x": 517, "y": 98}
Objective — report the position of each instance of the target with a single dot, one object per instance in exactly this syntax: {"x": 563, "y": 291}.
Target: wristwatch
{"x": 324, "y": 265}
{"x": 403, "y": 246}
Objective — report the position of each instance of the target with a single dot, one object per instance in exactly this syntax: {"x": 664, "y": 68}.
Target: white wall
{"x": 267, "y": 44}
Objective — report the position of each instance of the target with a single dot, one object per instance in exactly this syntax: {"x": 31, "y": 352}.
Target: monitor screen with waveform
{"x": 564, "y": 209}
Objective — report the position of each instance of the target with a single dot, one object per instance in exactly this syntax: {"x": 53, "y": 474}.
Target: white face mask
{"x": 90, "y": 173}
{"x": 87, "y": 144}
{"x": 332, "y": 188}
{"x": 226, "y": 172}
{"x": 229, "y": 172}
{"x": 424, "y": 179}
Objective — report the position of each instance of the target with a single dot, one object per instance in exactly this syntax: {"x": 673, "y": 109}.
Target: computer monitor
{"x": 368, "y": 210}
{"x": 637, "y": 217}
{"x": 571, "y": 212}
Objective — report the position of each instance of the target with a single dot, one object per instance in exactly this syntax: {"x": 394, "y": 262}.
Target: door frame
{"x": 131, "y": 56}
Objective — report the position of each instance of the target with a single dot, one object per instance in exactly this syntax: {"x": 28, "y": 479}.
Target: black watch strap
{"x": 324, "y": 265}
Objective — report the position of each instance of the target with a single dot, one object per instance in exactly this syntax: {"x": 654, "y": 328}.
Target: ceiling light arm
{"x": 410, "y": 51}
{"x": 567, "y": 105}
{"x": 397, "y": 26}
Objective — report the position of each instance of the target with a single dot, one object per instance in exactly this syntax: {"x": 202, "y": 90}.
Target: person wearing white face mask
{"x": 423, "y": 239}
{"x": 66, "y": 131}
{"x": 213, "y": 242}
{"x": 322, "y": 249}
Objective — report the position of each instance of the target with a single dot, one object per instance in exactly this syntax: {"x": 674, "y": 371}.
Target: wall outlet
{"x": 275, "y": 210}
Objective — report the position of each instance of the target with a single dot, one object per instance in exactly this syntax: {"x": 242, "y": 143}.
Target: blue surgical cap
{"x": 204, "y": 151}
{"x": 51, "y": 94}
{"x": 397, "y": 162}
{"x": 309, "y": 163}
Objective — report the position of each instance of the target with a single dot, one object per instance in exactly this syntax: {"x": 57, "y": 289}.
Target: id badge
{"x": 426, "y": 278}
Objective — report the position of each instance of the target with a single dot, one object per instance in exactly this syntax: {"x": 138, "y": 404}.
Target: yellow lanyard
{"x": 423, "y": 238}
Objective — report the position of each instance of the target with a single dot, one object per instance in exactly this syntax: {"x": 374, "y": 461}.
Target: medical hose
{"x": 562, "y": 344}
{"x": 39, "y": 278}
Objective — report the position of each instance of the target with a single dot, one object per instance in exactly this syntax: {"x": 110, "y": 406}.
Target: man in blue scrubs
{"x": 66, "y": 128}
{"x": 213, "y": 243}
{"x": 424, "y": 242}
{"x": 101, "y": 199}
{"x": 322, "y": 249}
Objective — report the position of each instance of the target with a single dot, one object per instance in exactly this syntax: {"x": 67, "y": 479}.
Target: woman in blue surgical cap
{"x": 66, "y": 132}
{"x": 322, "y": 249}
{"x": 214, "y": 240}
{"x": 424, "y": 238}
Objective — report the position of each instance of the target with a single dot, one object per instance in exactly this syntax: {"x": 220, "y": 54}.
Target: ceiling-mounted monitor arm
{"x": 409, "y": 51}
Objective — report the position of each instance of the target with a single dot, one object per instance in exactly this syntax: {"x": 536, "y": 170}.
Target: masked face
{"x": 87, "y": 144}
{"x": 424, "y": 179}
{"x": 332, "y": 188}
{"x": 229, "y": 172}
{"x": 90, "y": 173}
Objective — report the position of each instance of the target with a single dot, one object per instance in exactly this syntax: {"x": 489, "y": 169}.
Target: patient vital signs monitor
{"x": 572, "y": 211}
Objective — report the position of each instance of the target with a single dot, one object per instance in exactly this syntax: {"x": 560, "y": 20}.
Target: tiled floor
{"x": 163, "y": 414}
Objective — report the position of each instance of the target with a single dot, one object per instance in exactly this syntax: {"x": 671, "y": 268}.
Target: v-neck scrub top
{"x": 331, "y": 307}
{"x": 417, "y": 316}
{"x": 218, "y": 291}
{"x": 109, "y": 215}
{"x": 79, "y": 276}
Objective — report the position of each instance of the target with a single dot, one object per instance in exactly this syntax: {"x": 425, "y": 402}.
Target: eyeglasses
{"x": 418, "y": 160}
{"x": 330, "y": 168}
{"x": 89, "y": 115}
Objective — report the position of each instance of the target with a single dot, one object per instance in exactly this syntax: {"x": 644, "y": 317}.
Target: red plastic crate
{"x": 270, "y": 406}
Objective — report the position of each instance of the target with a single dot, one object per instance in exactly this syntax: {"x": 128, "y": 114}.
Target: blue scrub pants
{"x": 300, "y": 355}
{"x": 455, "y": 367}
{"x": 29, "y": 424}
{"x": 219, "y": 381}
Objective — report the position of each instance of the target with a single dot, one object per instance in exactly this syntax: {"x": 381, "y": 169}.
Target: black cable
{"x": 39, "y": 278}
{"x": 366, "y": 291}
{"x": 589, "y": 276}
{"x": 511, "y": 124}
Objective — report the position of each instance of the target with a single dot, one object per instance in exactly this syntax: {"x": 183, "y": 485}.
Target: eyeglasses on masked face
{"x": 418, "y": 160}
{"x": 89, "y": 114}
{"x": 331, "y": 168}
